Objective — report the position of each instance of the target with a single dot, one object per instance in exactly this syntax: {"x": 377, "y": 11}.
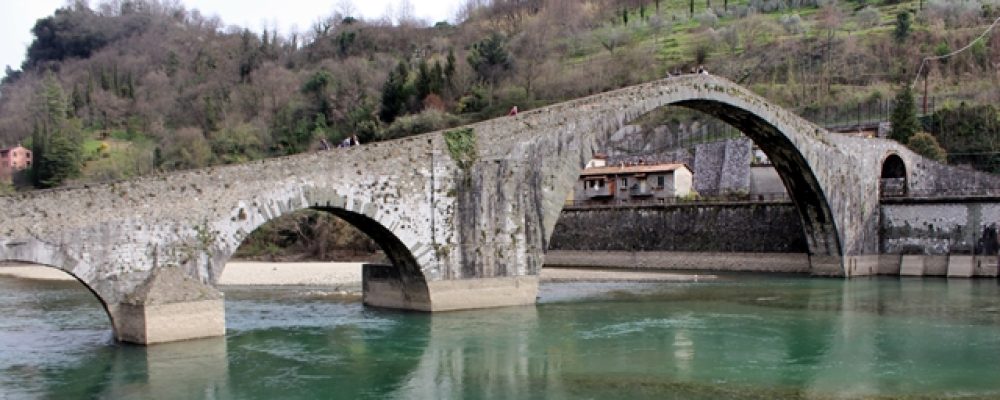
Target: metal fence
{"x": 943, "y": 193}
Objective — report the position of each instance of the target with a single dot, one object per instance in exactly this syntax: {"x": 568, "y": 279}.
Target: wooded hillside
{"x": 145, "y": 85}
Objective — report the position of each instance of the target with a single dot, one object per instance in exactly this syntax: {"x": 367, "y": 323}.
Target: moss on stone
{"x": 462, "y": 147}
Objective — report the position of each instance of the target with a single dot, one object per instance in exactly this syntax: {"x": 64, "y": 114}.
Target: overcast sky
{"x": 18, "y": 16}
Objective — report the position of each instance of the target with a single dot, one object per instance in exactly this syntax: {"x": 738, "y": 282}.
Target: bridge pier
{"x": 169, "y": 307}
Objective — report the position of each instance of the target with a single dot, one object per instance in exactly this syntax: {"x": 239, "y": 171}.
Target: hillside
{"x": 142, "y": 86}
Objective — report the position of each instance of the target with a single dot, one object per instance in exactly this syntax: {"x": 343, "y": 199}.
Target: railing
{"x": 640, "y": 191}
{"x": 943, "y": 193}
{"x": 892, "y": 187}
{"x": 757, "y": 198}
{"x": 601, "y": 192}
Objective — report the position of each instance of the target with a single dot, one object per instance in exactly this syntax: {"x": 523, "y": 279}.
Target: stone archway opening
{"x": 332, "y": 247}
{"x": 892, "y": 180}
{"x": 64, "y": 303}
{"x": 720, "y": 217}
{"x": 800, "y": 181}
{"x": 813, "y": 211}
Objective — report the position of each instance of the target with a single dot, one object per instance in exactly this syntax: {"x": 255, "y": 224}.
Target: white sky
{"x": 18, "y": 16}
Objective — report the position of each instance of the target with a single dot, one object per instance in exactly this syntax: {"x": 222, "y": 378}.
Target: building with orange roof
{"x": 633, "y": 183}
{"x": 13, "y": 159}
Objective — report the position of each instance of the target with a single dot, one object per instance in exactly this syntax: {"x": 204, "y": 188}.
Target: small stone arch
{"x": 400, "y": 285}
{"x": 893, "y": 178}
{"x": 48, "y": 256}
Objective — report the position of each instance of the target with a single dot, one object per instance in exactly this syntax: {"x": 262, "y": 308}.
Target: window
{"x": 624, "y": 183}
{"x": 660, "y": 181}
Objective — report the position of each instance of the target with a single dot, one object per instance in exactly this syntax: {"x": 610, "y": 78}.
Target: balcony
{"x": 640, "y": 191}
{"x": 595, "y": 192}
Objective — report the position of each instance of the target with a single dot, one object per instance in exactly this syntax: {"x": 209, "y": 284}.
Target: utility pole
{"x": 925, "y": 92}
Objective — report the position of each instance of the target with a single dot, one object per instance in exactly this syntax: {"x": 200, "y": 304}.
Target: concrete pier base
{"x": 469, "y": 294}
{"x": 961, "y": 266}
{"x": 384, "y": 286}
{"x": 172, "y": 322}
{"x": 826, "y": 265}
{"x": 169, "y": 307}
{"x": 865, "y": 265}
{"x": 912, "y": 265}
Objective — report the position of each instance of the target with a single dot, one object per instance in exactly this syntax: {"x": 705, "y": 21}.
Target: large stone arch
{"x": 800, "y": 182}
{"x": 823, "y": 172}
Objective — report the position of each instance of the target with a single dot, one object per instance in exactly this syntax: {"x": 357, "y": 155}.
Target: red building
{"x": 13, "y": 159}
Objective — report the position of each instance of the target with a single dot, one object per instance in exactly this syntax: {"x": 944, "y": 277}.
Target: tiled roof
{"x": 633, "y": 169}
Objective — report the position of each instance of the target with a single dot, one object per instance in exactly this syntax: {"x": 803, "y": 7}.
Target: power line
{"x": 941, "y": 57}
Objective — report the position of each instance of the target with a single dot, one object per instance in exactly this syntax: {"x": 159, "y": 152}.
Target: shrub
{"x": 472, "y": 102}
{"x": 869, "y": 17}
{"x": 707, "y": 19}
{"x": 427, "y": 121}
{"x": 792, "y": 24}
{"x": 926, "y": 145}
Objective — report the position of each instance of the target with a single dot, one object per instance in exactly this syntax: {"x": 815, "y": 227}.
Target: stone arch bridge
{"x": 464, "y": 215}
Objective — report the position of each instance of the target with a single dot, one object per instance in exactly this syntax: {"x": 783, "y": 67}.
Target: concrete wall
{"x": 765, "y": 180}
{"x": 735, "y": 227}
{"x": 928, "y": 228}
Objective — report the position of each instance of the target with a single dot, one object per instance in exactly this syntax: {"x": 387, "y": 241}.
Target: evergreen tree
{"x": 317, "y": 88}
{"x": 423, "y": 84}
{"x": 904, "y": 116}
{"x": 449, "y": 71}
{"x": 394, "y": 93}
{"x": 903, "y": 25}
{"x": 490, "y": 58}
{"x": 437, "y": 82}
{"x": 57, "y": 145}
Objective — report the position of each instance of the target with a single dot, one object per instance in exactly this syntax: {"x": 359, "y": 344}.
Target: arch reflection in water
{"x": 767, "y": 338}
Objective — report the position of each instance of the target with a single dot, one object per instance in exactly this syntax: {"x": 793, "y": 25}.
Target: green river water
{"x": 737, "y": 337}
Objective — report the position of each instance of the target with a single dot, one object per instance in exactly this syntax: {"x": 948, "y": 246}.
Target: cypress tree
{"x": 56, "y": 143}
{"x": 904, "y": 116}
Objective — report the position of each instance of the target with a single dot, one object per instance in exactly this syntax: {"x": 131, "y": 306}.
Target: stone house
{"x": 633, "y": 183}
{"x": 12, "y": 160}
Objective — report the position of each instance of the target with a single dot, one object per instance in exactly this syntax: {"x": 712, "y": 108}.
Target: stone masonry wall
{"x": 752, "y": 228}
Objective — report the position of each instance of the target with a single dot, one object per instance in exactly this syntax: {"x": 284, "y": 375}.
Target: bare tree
{"x": 532, "y": 48}
{"x": 346, "y": 8}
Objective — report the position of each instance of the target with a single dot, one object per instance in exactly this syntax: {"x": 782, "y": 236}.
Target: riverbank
{"x": 788, "y": 263}
{"x": 347, "y": 276}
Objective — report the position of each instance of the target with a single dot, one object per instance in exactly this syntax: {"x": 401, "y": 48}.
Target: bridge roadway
{"x": 464, "y": 215}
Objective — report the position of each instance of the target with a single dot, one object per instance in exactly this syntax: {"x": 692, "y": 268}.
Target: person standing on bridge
{"x": 513, "y": 111}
